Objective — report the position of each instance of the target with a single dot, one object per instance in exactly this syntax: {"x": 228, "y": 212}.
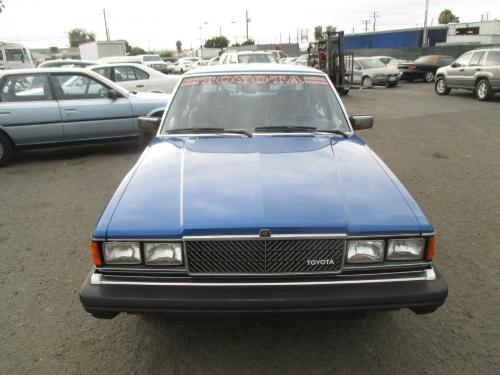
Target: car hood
{"x": 236, "y": 185}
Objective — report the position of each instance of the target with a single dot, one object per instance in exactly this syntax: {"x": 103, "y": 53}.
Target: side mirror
{"x": 113, "y": 94}
{"x": 455, "y": 65}
{"x": 149, "y": 124}
{"x": 361, "y": 122}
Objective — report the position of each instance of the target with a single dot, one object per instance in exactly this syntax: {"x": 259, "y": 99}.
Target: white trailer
{"x": 93, "y": 51}
{"x": 15, "y": 56}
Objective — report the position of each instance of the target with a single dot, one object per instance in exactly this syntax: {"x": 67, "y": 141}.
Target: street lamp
{"x": 201, "y": 39}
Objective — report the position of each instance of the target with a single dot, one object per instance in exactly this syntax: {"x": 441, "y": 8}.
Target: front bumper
{"x": 105, "y": 295}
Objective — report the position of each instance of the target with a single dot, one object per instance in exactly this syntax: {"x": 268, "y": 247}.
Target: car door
{"x": 88, "y": 112}
{"x": 29, "y": 111}
{"x": 357, "y": 72}
{"x": 491, "y": 68}
{"x": 125, "y": 76}
{"x": 455, "y": 74}
{"x": 474, "y": 66}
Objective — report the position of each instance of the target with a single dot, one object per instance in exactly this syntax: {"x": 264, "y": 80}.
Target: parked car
{"x": 201, "y": 62}
{"x": 288, "y": 60}
{"x": 152, "y": 61}
{"x": 477, "y": 70}
{"x": 136, "y": 77}
{"x": 389, "y": 62}
{"x": 304, "y": 59}
{"x": 183, "y": 65}
{"x": 15, "y": 56}
{"x": 58, "y": 106}
{"x": 67, "y": 63}
{"x": 279, "y": 54}
{"x": 213, "y": 61}
{"x": 247, "y": 57}
{"x": 370, "y": 71}
{"x": 256, "y": 197}
{"x": 424, "y": 67}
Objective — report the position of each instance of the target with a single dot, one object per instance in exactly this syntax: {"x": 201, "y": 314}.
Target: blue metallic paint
{"x": 236, "y": 185}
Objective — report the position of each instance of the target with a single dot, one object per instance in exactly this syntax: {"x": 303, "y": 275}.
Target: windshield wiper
{"x": 209, "y": 130}
{"x": 307, "y": 129}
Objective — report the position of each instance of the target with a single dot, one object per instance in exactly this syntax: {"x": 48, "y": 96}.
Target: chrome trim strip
{"x": 428, "y": 275}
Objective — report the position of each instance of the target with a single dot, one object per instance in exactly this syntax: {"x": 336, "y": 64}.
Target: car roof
{"x": 253, "y": 68}
{"x": 142, "y": 66}
{"x": 44, "y": 70}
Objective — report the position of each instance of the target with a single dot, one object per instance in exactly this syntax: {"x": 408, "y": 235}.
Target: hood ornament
{"x": 265, "y": 233}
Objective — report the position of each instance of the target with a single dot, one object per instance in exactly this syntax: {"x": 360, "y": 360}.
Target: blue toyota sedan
{"x": 256, "y": 197}
{"x": 62, "y": 106}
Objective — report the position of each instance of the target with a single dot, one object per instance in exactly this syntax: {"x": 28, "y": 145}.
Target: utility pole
{"x": 375, "y": 16}
{"x": 247, "y": 20}
{"x": 426, "y": 32}
{"x": 105, "y": 24}
{"x": 220, "y": 30}
{"x": 366, "y": 22}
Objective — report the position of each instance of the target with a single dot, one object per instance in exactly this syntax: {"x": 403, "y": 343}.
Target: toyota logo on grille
{"x": 265, "y": 233}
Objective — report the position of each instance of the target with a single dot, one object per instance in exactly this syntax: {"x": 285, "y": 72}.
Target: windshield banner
{"x": 255, "y": 79}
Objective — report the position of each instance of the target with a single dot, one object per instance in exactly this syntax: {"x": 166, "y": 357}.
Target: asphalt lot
{"x": 446, "y": 150}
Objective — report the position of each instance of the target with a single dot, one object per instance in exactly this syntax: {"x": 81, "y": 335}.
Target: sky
{"x": 157, "y": 25}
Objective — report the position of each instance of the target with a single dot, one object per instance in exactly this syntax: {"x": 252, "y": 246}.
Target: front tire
{"x": 6, "y": 150}
{"x": 484, "y": 91}
{"x": 429, "y": 77}
{"x": 367, "y": 83}
{"x": 441, "y": 87}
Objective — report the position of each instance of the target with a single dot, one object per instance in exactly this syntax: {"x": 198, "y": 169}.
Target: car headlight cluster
{"x": 374, "y": 251}
{"x": 154, "y": 254}
{"x": 379, "y": 75}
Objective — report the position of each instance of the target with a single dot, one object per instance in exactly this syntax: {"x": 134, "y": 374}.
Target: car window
{"x": 124, "y": 73}
{"x": 464, "y": 59}
{"x": 1, "y": 55}
{"x": 427, "y": 60}
{"x": 445, "y": 60}
{"x": 15, "y": 54}
{"x": 140, "y": 74}
{"x": 248, "y": 101}
{"x": 371, "y": 63}
{"x": 256, "y": 58}
{"x": 76, "y": 86}
{"x": 356, "y": 65}
{"x": 26, "y": 87}
{"x": 476, "y": 59}
{"x": 234, "y": 58}
{"x": 493, "y": 58}
{"x": 104, "y": 71}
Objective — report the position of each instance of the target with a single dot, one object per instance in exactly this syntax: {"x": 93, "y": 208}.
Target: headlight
{"x": 169, "y": 254}
{"x": 379, "y": 75}
{"x": 405, "y": 249}
{"x": 365, "y": 251}
{"x": 122, "y": 253}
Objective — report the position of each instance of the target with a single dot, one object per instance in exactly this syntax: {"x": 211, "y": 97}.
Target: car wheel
{"x": 440, "y": 87}
{"x": 429, "y": 77}
{"x": 6, "y": 150}
{"x": 367, "y": 83}
{"x": 483, "y": 90}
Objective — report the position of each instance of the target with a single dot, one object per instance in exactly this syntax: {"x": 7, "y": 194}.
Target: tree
{"x": 217, "y": 42}
{"x": 249, "y": 42}
{"x": 331, "y": 29}
{"x": 178, "y": 45}
{"x": 318, "y": 32}
{"x": 79, "y": 36}
{"x": 134, "y": 51}
{"x": 2, "y": 6}
{"x": 166, "y": 53}
{"x": 446, "y": 16}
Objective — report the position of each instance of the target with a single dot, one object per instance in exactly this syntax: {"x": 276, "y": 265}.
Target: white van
{"x": 15, "y": 56}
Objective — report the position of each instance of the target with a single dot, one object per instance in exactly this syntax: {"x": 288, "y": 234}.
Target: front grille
{"x": 264, "y": 256}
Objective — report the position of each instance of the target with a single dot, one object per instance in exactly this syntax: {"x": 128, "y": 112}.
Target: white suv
{"x": 247, "y": 57}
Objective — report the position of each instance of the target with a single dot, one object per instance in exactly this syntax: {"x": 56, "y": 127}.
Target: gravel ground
{"x": 446, "y": 150}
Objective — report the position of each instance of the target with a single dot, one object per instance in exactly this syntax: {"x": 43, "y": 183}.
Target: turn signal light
{"x": 96, "y": 257}
{"x": 431, "y": 247}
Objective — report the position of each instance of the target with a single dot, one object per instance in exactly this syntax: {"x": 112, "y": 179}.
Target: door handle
{"x": 4, "y": 112}
{"x": 462, "y": 70}
{"x": 139, "y": 86}
{"x": 478, "y": 69}
{"x": 70, "y": 109}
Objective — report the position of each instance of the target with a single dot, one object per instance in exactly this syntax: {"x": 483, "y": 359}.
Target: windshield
{"x": 256, "y": 58}
{"x": 371, "y": 63}
{"x": 152, "y": 58}
{"x": 254, "y": 101}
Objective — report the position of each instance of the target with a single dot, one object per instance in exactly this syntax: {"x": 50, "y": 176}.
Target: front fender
{"x": 156, "y": 110}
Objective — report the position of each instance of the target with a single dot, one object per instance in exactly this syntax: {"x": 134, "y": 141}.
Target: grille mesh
{"x": 264, "y": 256}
